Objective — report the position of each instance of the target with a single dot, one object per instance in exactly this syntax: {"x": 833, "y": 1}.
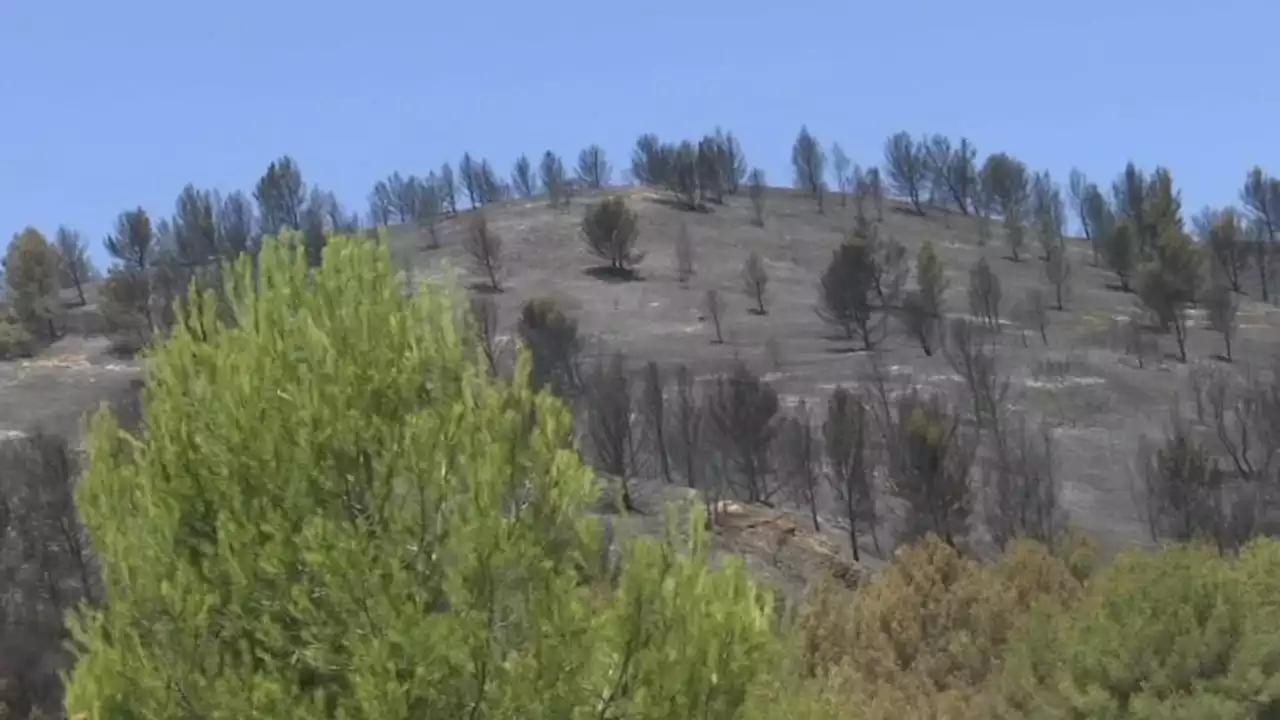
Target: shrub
{"x": 15, "y": 341}
{"x": 334, "y": 511}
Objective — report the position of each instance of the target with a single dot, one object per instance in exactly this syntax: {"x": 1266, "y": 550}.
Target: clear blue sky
{"x": 111, "y": 105}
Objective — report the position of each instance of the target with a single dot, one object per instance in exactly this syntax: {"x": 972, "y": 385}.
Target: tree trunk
{"x": 853, "y": 525}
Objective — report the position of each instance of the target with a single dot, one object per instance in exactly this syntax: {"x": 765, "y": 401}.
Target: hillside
{"x": 1097, "y": 400}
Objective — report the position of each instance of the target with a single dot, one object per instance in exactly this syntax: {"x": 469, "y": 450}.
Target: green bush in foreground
{"x": 335, "y": 513}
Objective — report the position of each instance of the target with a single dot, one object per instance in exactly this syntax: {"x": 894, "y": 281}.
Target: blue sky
{"x": 108, "y": 106}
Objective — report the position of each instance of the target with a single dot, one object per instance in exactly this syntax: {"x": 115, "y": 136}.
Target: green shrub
{"x": 333, "y": 512}
{"x": 15, "y": 341}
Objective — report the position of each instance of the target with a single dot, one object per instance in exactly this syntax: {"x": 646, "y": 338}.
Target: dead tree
{"x": 755, "y": 190}
{"x": 1181, "y": 488}
{"x": 684, "y": 254}
{"x": 554, "y": 346}
{"x": 755, "y": 281}
{"x": 985, "y": 294}
{"x": 1034, "y": 311}
{"x": 743, "y": 412}
{"x": 930, "y": 459}
{"x": 714, "y": 306}
{"x": 687, "y": 427}
{"x": 851, "y": 463}
{"x": 974, "y": 361}
{"x": 653, "y": 415}
{"x": 801, "y": 461}
{"x": 1057, "y": 270}
{"x": 1022, "y": 489}
{"x": 47, "y": 568}
{"x": 485, "y": 248}
{"x": 1223, "y": 306}
{"x": 608, "y": 405}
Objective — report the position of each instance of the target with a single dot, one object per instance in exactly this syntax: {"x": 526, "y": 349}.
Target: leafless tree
{"x": 1225, "y": 234}
{"x": 523, "y": 178}
{"x": 906, "y": 163}
{"x": 972, "y": 357}
{"x": 840, "y": 169}
{"x": 609, "y": 403}
{"x": 714, "y": 306}
{"x": 861, "y": 190}
{"x": 1048, "y": 213}
{"x": 75, "y": 265}
{"x": 755, "y": 189}
{"x": 1261, "y": 197}
{"x": 484, "y": 312}
{"x": 469, "y": 170}
{"x": 684, "y": 254}
{"x": 651, "y": 161}
{"x": 708, "y": 169}
{"x": 610, "y": 229}
{"x": 1023, "y": 491}
{"x": 952, "y": 168}
{"x": 554, "y": 346}
{"x": 686, "y": 427}
{"x": 449, "y": 188}
{"x": 1243, "y": 411}
{"x": 1057, "y": 270}
{"x": 593, "y": 168}
{"x": 985, "y": 294}
{"x": 851, "y": 462}
{"x": 1223, "y": 305}
{"x": 755, "y": 281}
{"x": 1128, "y": 335}
{"x": 801, "y": 461}
{"x": 1033, "y": 311}
{"x": 554, "y": 180}
{"x": 875, "y": 190}
{"x": 742, "y": 410}
{"x": 485, "y": 248}
{"x": 1079, "y": 189}
{"x": 919, "y": 323}
{"x": 809, "y": 162}
{"x": 930, "y": 461}
{"x": 653, "y": 416}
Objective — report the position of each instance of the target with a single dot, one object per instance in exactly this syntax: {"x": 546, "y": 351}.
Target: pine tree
{"x": 320, "y": 520}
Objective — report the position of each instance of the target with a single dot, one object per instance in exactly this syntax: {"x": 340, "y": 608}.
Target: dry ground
{"x": 1099, "y": 402}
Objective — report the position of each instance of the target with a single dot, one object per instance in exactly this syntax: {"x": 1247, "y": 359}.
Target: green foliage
{"x": 32, "y": 270}
{"x": 334, "y": 512}
{"x": 15, "y": 341}
{"x": 1183, "y": 633}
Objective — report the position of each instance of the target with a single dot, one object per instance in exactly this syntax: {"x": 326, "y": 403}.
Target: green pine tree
{"x": 334, "y": 512}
